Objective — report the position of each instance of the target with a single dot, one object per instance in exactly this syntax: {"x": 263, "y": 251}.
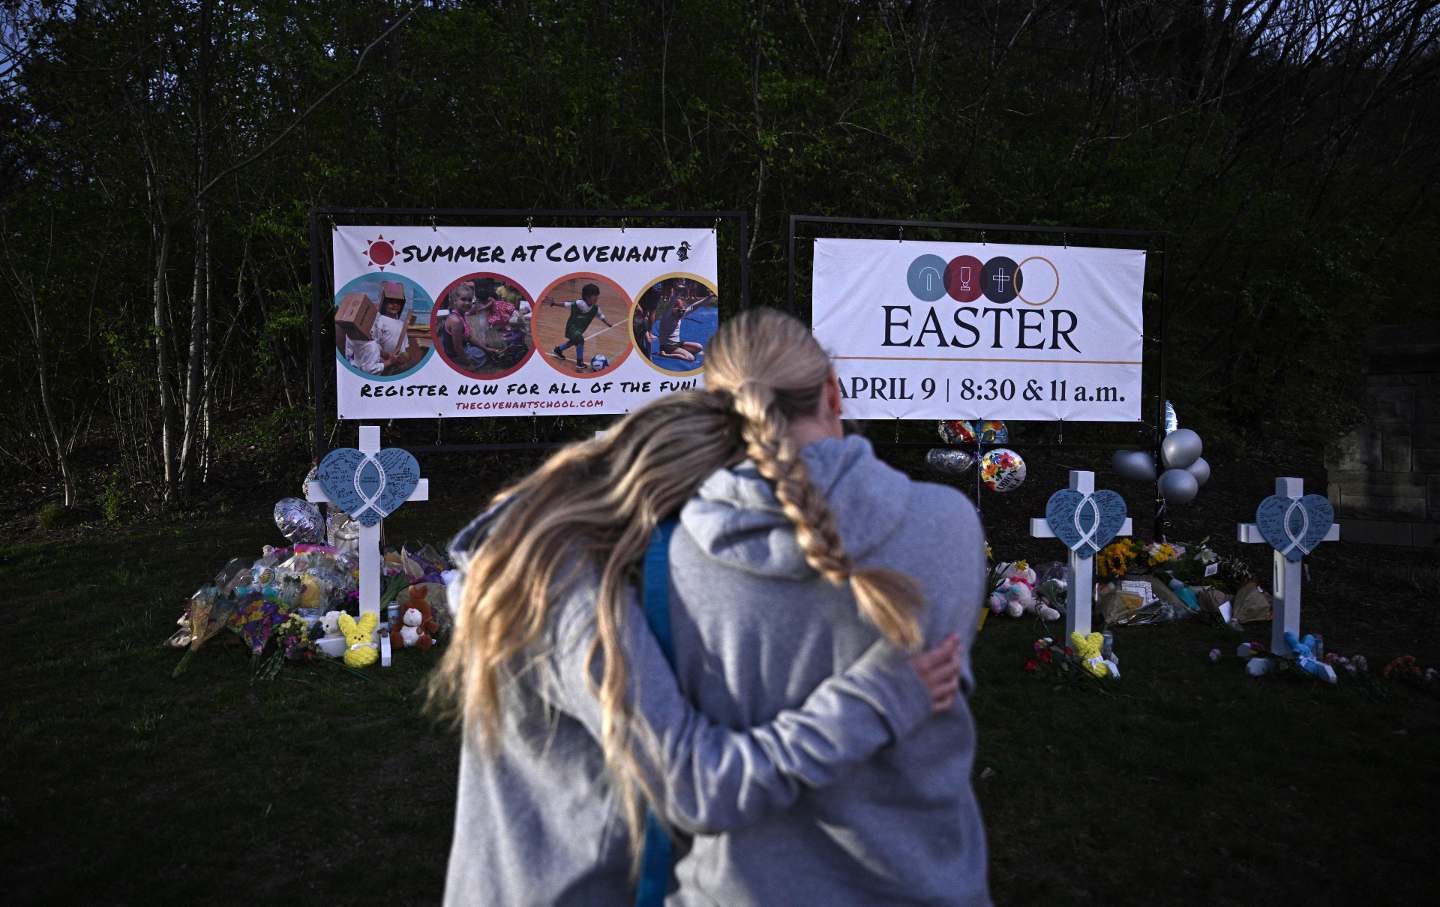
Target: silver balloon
{"x": 299, "y": 521}
{"x": 949, "y": 462}
{"x": 1200, "y": 470}
{"x": 1180, "y": 448}
{"x": 1178, "y": 486}
{"x": 1136, "y": 465}
{"x": 341, "y": 532}
{"x": 1172, "y": 421}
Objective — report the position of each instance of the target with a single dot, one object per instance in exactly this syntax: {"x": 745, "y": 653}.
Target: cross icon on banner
{"x": 1001, "y": 279}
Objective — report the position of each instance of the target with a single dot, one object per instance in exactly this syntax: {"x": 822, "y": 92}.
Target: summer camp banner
{"x": 513, "y": 321}
{"x": 981, "y": 331}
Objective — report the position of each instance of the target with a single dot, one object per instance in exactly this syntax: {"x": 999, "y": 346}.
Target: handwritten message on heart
{"x": 1294, "y": 526}
{"x": 1085, "y": 522}
{"x": 369, "y": 487}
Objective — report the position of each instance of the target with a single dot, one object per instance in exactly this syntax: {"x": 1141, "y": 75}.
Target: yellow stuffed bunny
{"x": 1087, "y": 649}
{"x": 361, "y": 650}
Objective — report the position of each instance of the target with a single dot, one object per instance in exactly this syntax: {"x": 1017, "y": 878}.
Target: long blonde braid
{"x": 774, "y": 371}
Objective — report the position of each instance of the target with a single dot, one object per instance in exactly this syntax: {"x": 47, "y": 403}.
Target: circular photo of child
{"x": 580, "y": 325}
{"x": 382, "y": 326}
{"x": 482, "y": 325}
{"x": 673, "y": 321}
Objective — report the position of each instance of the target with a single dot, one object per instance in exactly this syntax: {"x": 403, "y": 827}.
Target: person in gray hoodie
{"x": 762, "y": 608}
{"x": 572, "y": 717}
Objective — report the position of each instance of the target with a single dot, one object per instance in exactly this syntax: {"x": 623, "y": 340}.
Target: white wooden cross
{"x": 1080, "y": 597}
{"x": 369, "y": 535}
{"x": 1285, "y": 575}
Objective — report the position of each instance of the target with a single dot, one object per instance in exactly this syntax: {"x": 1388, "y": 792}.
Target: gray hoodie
{"x": 755, "y": 629}
{"x": 535, "y": 822}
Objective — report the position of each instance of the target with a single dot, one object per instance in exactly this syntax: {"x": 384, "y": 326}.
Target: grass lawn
{"x": 1185, "y": 781}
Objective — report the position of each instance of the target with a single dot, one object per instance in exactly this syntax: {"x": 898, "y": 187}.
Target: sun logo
{"x": 380, "y": 252}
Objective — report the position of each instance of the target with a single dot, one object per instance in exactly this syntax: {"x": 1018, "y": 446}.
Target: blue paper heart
{"x": 1294, "y": 526}
{"x": 369, "y": 488}
{"x": 1085, "y": 522}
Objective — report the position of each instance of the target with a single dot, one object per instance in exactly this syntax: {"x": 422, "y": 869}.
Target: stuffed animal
{"x": 1257, "y": 660}
{"x": 417, "y": 622}
{"x": 362, "y": 650}
{"x": 331, "y": 624}
{"x": 1087, "y": 649}
{"x": 1015, "y": 594}
{"x": 1303, "y": 651}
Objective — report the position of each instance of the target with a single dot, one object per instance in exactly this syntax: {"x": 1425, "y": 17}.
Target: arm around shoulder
{"x": 714, "y": 779}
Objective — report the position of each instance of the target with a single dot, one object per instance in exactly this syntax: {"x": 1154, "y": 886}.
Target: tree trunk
{"x": 61, "y": 449}
{"x": 162, "y": 361}
{"x": 195, "y": 373}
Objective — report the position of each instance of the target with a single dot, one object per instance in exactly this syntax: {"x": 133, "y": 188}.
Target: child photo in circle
{"x": 580, "y": 324}
{"x": 483, "y": 326}
{"x": 674, "y": 319}
{"x": 382, "y": 325}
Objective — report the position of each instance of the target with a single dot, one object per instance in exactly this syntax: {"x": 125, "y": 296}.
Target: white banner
{"x": 923, "y": 330}
{"x": 510, "y": 321}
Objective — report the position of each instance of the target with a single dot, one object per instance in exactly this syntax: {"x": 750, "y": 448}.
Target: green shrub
{"x": 115, "y": 498}
{"x": 50, "y": 515}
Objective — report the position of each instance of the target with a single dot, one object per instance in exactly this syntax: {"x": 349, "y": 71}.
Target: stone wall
{"x": 1384, "y": 478}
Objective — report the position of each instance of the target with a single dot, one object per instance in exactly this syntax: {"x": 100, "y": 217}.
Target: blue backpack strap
{"x": 656, "y": 863}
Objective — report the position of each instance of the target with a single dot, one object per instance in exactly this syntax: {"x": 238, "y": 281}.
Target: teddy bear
{"x": 1014, "y": 594}
{"x": 417, "y": 623}
{"x": 362, "y": 650}
{"x": 330, "y": 623}
{"x": 1087, "y": 649}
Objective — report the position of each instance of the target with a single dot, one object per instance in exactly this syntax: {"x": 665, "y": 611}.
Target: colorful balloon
{"x": 991, "y": 431}
{"x": 1002, "y": 469}
{"x": 956, "y": 432}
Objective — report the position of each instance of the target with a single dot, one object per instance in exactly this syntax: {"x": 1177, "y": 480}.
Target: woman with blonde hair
{"x": 799, "y": 570}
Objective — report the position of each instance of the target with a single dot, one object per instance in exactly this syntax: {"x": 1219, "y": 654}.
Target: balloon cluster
{"x": 1001, "y": 469}
{"x": 1185, "y": 470}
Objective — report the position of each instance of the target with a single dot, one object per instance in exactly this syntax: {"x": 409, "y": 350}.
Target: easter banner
{"x": 450, "y": 321}
{"x": 921, "y": 330}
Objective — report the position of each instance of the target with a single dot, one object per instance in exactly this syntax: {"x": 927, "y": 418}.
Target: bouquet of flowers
{"x": 1157, "y": 553}
{"x": 209, "y": 612}
{"x": 1056, "y": 662}
{"x": 292, "y": 643}
{"x": 1117, "y": 558}
{"x": 1190, "y": 565}
{"x": 255, "y": 618}
{"x": 1406, "y": 670}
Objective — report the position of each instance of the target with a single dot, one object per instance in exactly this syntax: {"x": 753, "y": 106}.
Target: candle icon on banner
{"x": 965, "y": 278}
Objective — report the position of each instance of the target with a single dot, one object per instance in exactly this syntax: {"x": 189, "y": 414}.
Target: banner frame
{"x": 322, "y": 358}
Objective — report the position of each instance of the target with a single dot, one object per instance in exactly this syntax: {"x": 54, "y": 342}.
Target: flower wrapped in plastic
{"x": 255, "y": 617}
{"x": 210, "y": 611}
